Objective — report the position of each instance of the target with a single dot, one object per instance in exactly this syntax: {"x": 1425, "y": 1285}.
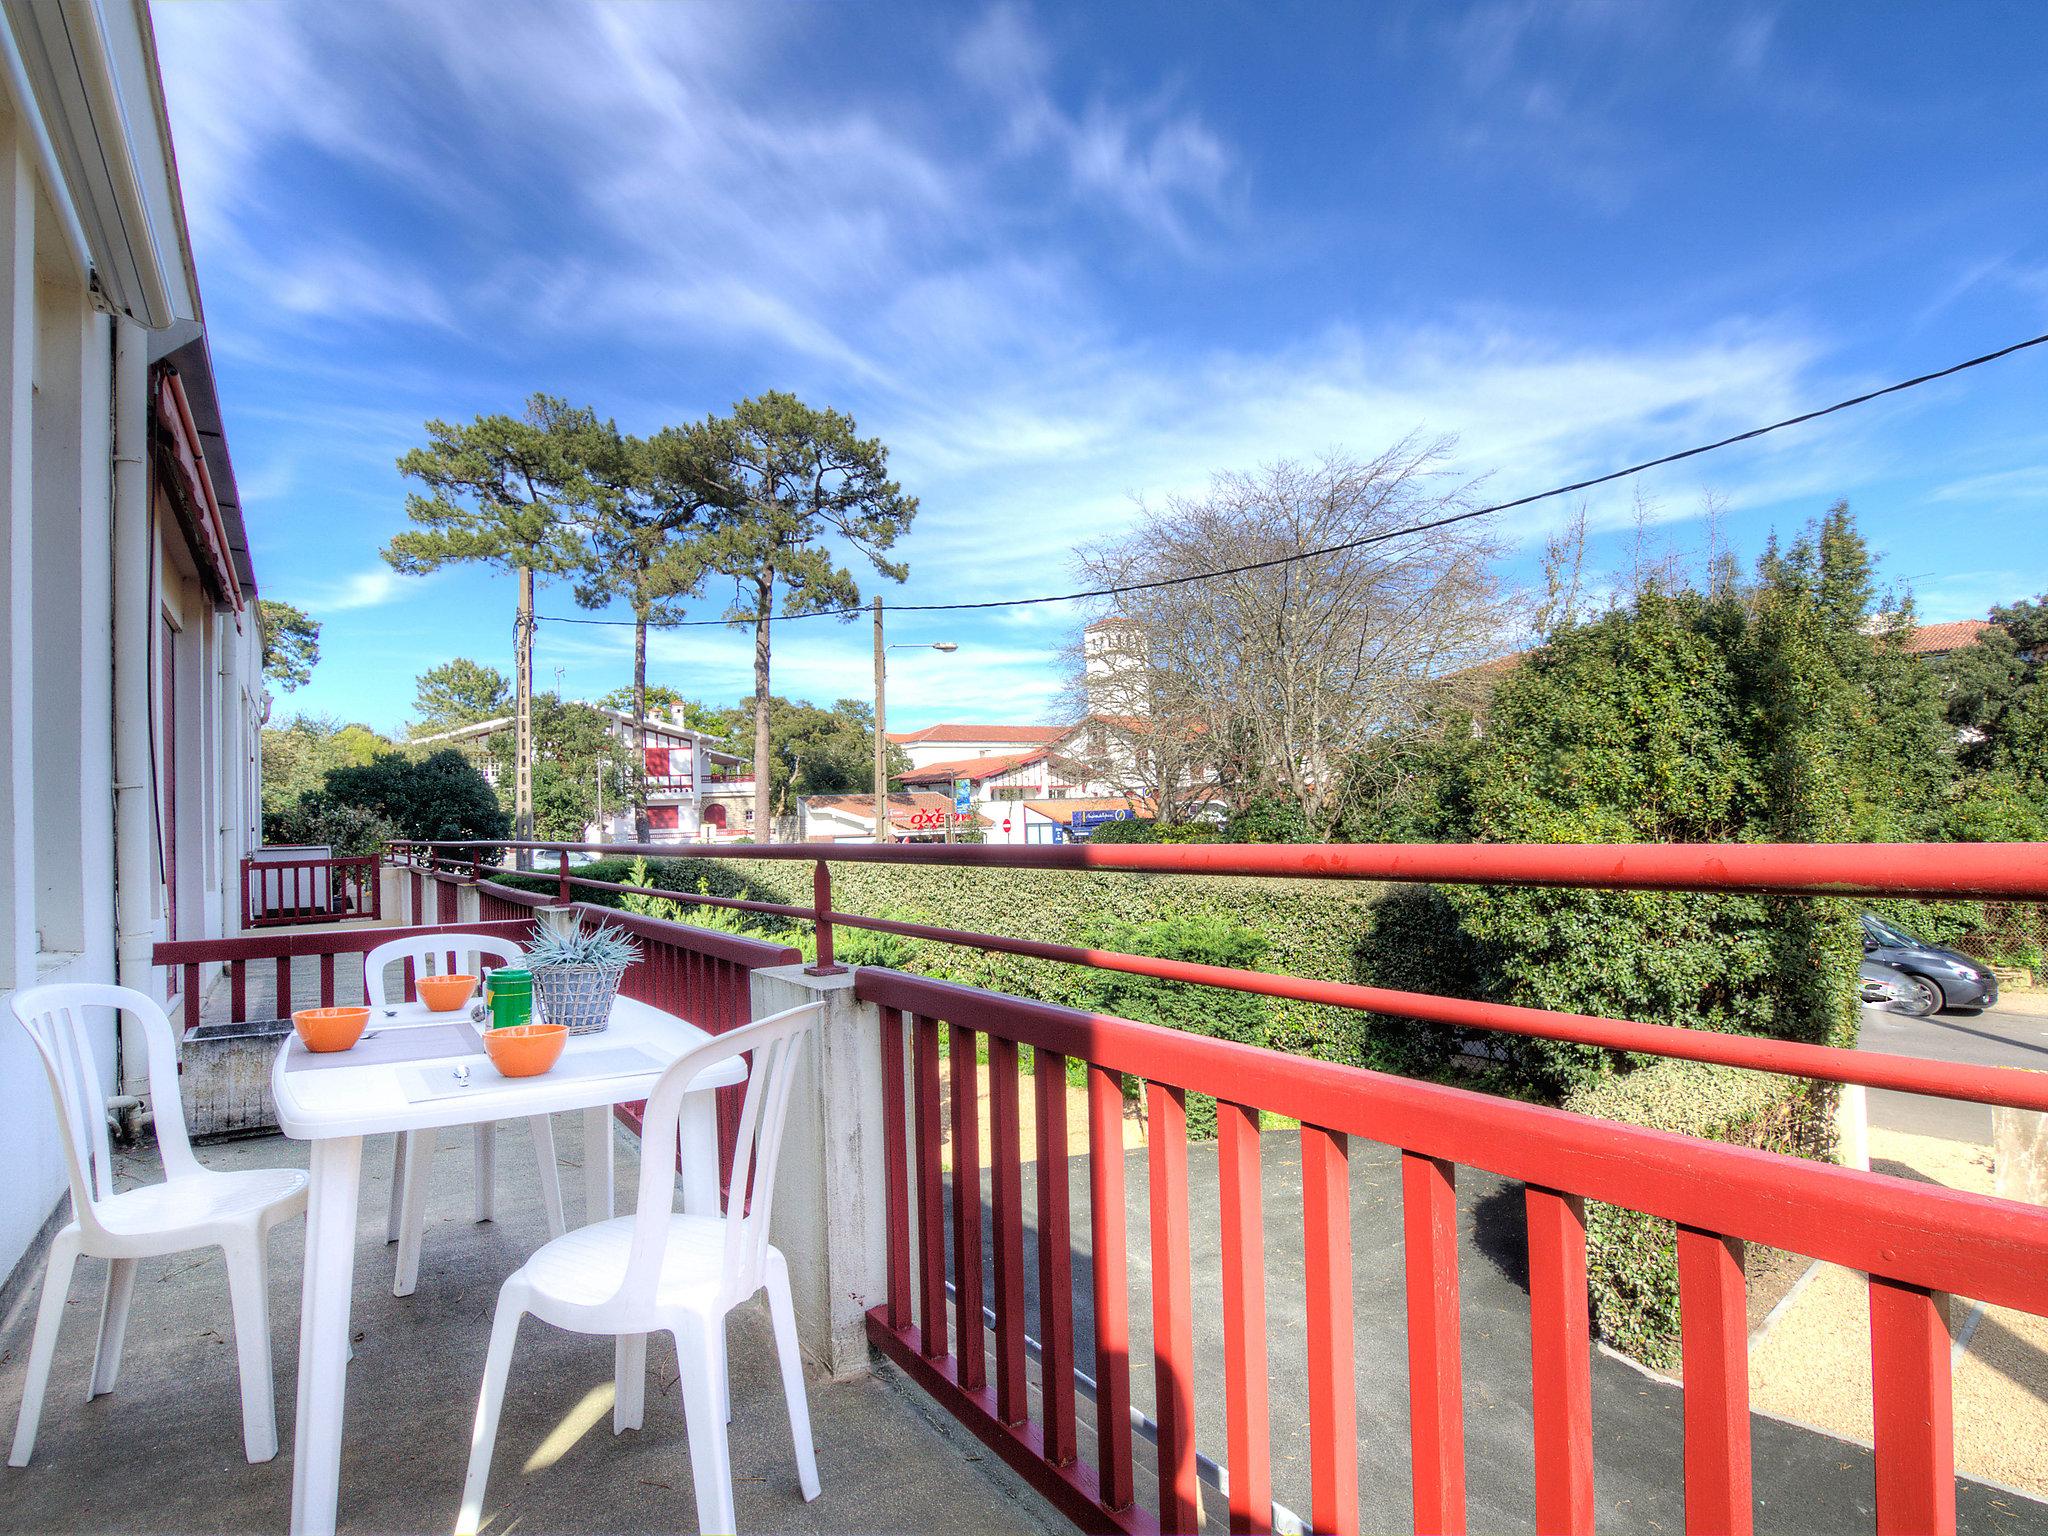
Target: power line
{"x": 1377, "y": 538}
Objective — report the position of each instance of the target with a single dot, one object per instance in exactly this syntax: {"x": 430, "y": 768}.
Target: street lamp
{"x": 882, "y": 647}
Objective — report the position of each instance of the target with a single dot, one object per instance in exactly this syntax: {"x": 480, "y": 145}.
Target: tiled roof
{"x": 1938, "y": 639}
{"x": 971, "y": 767}
{"x": 1019, "y": 735}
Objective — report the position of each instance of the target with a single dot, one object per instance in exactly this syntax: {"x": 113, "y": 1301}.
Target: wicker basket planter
{"x": 577, "y": 996}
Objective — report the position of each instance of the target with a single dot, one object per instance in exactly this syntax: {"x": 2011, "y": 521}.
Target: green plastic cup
{"x": 508, "y": 993}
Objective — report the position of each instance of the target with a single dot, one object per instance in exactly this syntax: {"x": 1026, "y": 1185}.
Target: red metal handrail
{"x": 2010, "y": 871}
{"x": 1873, "y": 1069}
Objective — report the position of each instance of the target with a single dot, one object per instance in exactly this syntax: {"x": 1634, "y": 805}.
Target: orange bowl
{"x": 444, "y": 994}
{"x": 526, "y": 1050}
{"x": 330, "y": 1029}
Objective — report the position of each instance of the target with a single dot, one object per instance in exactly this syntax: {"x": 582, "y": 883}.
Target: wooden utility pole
{"x": 881, "y": 740}
{"x": 522, "y": 728}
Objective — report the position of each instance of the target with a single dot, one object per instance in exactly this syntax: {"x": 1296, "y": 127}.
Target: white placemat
{"x": 387, "y": 1047}
{"x": 439, "y": 1080}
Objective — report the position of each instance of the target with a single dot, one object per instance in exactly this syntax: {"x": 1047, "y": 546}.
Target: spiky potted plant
{"x": 576, "y": 973}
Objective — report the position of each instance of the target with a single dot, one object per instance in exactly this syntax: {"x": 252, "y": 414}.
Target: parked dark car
{"x": 1884, "y": 986}
{"x": 1944, "y": 978}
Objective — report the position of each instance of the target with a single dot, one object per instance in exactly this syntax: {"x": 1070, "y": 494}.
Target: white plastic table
{"x": 335, "y": 1107}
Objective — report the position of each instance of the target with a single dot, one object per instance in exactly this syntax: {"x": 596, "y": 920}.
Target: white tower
{"x": 1112, "y": 651}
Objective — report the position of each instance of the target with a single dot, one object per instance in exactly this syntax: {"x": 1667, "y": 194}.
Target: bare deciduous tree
{"x": 1265, "y": 682}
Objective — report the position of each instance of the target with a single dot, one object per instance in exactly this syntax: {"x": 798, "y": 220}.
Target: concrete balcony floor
{"x": 163, "y": 1452}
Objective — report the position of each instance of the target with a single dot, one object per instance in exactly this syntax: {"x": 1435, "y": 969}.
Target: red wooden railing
{"x": 335, "y": 983}
{"x": 1915, "y": 1242}
{"x": 281, "y": 892}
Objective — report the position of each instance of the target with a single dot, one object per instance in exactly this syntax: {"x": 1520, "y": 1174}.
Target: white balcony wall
{"x": 65, "y": 652}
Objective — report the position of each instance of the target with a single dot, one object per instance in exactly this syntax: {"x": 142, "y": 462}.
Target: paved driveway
{"x": 2014, "y": 1034}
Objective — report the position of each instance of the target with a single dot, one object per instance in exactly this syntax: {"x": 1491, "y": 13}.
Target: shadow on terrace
{"x": 1374, "y": 1321}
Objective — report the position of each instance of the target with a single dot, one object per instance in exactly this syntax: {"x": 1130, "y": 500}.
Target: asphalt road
{"x": 2014, "y": 1034}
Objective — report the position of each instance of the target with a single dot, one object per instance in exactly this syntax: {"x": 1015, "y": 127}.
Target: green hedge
{"x": 1631, "y": 1258}
{"x": 1310, "y": 928}
{"x": 1145, "y": 830}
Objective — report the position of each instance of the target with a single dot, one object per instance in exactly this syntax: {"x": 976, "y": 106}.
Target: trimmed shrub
{"x": 1146, "y": 831}
{"x": 1268, "y": 821}
{"x": 1631, "y": 1258}
{"x": 1199, "y": 1010}
{"x": 1311, "y": 928}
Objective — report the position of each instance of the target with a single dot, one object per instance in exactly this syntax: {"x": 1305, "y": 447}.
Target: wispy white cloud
{"x": 372, "y": 588}
{"x": 1156, "y": 162}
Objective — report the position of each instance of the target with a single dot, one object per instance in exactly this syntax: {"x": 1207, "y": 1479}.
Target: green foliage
{"x": 1268, "y": 821}
{"x": 1772, "y": 713}
{"x": 1205, "y": 940}
{"x": 814, "y": 751}
{"x": 291, "y": 643}
{"x": 504, "y": 491}
{"x": 659, "y": 698}
{"x": 1631, "y": 1258}
{"x": 437, "y": 796}
{"x": 793, "y": 477}
{"x": 459, "y": 692}
{"x": 1309, "y": 927}
{"x": 573, "y": 751}
{"x": 299, "y": 752}
{"x": 352, "y": 831}
{"x": 799, "y": 485}
{"x": 2027, "y": 623}
{"x": 1145, "y": 830}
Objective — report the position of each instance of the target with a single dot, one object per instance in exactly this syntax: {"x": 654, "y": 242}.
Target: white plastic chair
{"x": 194, "y": 1207}
{"x": 656, "y": 1271}
{"x": 412, "y": 1154}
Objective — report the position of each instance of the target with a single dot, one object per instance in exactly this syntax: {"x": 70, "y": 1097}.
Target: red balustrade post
{"x": 821, "y": 907}
{"x": 1332, "y": 1371}
{"x": 1714, "y": 1334}
{"x": 562, "y": 878}
{"x": 931, "y": 1218}
{"x": 1112, "y": 1287}
{"x": 1913, "y": 1394}
{"x": 1173, "y": 1310}
{"x": 1055, "y": 1260}
{"x": 1249, "y": 1434}
{"x": 970, "y": 1363}
{"x": 895, "y": 1168}
{"x": 1436, "y": 1391}
{"x": 1562, "y": 1363}
{"x": 1006, "y": 1184}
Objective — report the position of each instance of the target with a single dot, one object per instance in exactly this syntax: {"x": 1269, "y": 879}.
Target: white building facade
{"x": 132, "y": 664}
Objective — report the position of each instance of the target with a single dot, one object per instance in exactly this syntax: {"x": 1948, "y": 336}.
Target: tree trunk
{"x": 638, "y": 735}
{"x": 764, "y": 829}
{"x": 522, "y": 729}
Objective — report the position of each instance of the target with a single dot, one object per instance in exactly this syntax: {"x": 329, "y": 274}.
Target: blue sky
{"x": 1061, "y": 258}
